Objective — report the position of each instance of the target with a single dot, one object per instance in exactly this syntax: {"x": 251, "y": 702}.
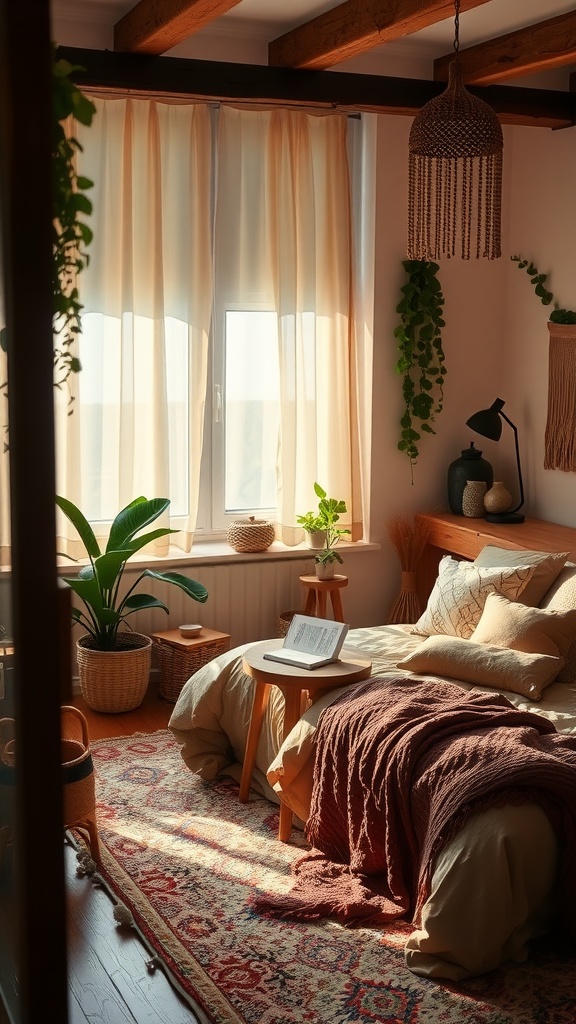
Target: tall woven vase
{"x": 560, "y": 436}
{"x": 113, "y": 681}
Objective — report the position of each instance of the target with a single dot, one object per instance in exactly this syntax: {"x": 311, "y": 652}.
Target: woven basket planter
{"x": 113, "y": 681}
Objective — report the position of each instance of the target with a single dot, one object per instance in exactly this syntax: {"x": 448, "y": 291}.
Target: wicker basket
{"x": 285, "y": 621}
{"x": 250, "y": 534}
{"x": 78, "y": 778}
{"x": 178, "y": 662}
{"x": 113, "y": 681}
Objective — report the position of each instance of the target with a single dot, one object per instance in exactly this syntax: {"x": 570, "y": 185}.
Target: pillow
{"x": 509, "y": 624}
{"x": 457, "y": 599}
{"x": 484, "y": 665}
{"x": 546, "y": 564}
{"x": 561, "y": 598}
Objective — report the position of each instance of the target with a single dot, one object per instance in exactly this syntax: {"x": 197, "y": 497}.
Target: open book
{"x": 310, "y": 642}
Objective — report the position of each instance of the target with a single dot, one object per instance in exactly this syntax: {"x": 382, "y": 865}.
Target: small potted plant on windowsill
{"x": 323, "y": 531}
{"x": 114, "y": 663}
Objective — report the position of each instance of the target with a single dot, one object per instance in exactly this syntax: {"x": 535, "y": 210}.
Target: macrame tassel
{"x": 455, "y": 176}
{"x": 560, "y": 437}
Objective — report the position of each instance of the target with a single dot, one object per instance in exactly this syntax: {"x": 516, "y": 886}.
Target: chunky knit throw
{"x": 400, "y": 765}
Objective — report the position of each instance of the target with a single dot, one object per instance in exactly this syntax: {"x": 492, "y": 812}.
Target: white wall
{"x": 495, "y": 338}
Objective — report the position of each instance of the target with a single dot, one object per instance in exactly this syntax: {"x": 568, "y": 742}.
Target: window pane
{"x": 251, "y": 411}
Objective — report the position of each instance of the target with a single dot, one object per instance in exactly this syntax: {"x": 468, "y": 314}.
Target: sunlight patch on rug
{"x": 189, "y": 859}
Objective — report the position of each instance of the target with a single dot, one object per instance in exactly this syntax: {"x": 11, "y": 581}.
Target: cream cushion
{"x": 484, "y": 665}
{"x": 560, "y": 598}
{"x": 509, "y": 624}
{"x": 547, "y": 565}
{"x": 460, "y": 591}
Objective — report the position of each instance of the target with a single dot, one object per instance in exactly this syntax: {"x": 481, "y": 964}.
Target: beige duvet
{"x": 492, "y": 887}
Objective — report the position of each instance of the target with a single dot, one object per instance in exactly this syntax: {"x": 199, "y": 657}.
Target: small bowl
{"x": 188, "y": 630}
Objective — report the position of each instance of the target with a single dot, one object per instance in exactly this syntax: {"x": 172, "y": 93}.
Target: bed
{"x": 504, "y": 624}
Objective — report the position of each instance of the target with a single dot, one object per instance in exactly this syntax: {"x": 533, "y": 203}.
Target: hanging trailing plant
{"x": 421, "y": 362}
{"x": 70, "y": 234}
{"x": 558, "y": 314}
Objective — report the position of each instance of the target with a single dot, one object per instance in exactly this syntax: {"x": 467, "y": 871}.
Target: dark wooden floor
{"x": 108, "y": 978}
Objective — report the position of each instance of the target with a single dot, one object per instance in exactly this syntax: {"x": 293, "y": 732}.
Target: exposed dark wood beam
{"x": 219, "y": 80}
{"x": 154, "y": 26}
{"x": 548, "y": 44}
{"x": 356, "y": 26}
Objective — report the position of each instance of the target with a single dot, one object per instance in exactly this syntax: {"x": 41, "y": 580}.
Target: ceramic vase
{"x": 470, "y": 466}
{"x": 497, "y": 499}
{"x": 473, "y": 498}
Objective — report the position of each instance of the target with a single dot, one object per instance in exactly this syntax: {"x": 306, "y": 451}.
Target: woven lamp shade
{"x": 455, "y": 176}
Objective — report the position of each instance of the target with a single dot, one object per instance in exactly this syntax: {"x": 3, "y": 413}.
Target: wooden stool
{"x": 297, "y": 685}
{"x": 319, "y": 590}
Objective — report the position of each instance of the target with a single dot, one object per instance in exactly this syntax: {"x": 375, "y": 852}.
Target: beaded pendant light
{"x": 455, "y": 173}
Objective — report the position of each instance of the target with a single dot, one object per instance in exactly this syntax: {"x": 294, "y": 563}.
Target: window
{"x": 218, "y": 325}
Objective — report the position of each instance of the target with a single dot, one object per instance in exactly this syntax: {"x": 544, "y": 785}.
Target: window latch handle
{"x": 217, "y": 403}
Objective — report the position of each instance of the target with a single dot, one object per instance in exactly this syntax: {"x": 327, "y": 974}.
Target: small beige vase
{"x": 473, "y": 499}
{"x": 498, "y": 498}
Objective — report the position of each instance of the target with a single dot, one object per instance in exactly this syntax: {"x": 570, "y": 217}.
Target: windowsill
{"x": 218, "y": 552}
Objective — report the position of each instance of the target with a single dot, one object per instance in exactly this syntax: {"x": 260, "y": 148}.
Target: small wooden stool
{"x": 318, "y": 591}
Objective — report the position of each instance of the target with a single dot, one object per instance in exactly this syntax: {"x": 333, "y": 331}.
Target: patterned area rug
{"x": 188, "y": 859}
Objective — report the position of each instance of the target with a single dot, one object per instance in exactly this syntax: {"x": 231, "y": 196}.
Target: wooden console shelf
{"x": 450, "y": 534}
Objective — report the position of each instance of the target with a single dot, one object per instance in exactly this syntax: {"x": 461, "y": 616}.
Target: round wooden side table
{"x": 297, "y": 684}
{"x": 319, "y": 591}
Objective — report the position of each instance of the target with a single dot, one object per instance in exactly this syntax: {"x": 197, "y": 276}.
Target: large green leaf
{"x": 81, "y": 524}
{"x": 138, "y": 514}
{"x": 108, "y": 567}
{"x": 89, "y": 591}
{"x": 147, "y": 538}
{"x": 138, "y": 601}
{"x": 194, "y": 590}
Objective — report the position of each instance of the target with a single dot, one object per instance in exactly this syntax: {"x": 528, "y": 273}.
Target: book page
{"x": 315, "y": 636}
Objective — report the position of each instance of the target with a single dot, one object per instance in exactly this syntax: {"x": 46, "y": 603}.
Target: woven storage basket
{"x": 284, "y": 622}
{"x": 79, "y": 795}
{"x": 78, "y": 778}
{"x": 178, "y": 663}
{"x": 113, "y": 681}
{"x": 250, "y": 534}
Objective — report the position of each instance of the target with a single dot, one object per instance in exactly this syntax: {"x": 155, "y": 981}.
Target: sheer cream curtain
{"x": 147, "y": 296}
{"x": 294, "y": 241}
{"x": 196, "y": 209}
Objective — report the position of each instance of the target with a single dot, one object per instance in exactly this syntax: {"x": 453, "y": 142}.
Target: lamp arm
{"x": 504, "y": 417}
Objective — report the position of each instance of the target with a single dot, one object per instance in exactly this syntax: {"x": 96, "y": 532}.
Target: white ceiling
{"x": 264, "y": 20}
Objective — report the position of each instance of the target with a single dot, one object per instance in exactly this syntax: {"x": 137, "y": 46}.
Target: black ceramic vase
{"x": 470, "y": 466}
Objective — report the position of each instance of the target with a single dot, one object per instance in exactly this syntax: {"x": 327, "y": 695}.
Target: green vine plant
{"x": 70, "y": 234}
{"x": 421, "y": 362}
{"x": 558, "y": 314}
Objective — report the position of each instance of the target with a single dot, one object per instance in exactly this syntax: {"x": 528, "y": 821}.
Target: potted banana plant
{"x": 114, "y": 661}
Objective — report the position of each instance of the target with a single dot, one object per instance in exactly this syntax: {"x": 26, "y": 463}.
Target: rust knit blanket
{"x": 400, "y": 764}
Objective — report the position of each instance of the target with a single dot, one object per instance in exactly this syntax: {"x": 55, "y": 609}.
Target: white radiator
{"x": 245, "y": 599}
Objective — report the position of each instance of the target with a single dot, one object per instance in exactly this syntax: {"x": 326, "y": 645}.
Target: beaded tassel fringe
{"x": 455, "y": 176}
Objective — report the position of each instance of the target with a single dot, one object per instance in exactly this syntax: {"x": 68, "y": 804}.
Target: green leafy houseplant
{"x": 538, "y": 280}
{"x": 98, "y": 584}
{"x": 421, "y": 360}
{"x": 326, "y": 518}
{"x": 70, "y": 234}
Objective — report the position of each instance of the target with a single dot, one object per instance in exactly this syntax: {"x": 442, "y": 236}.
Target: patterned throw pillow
{"x": 459, "y": 594}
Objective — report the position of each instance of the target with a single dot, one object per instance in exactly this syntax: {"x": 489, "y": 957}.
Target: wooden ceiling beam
{"x": 356, "y": 26}
{"x": 140, "y": 74}
{"x": 154, "y": 26}
{"x": 548, "y": 44}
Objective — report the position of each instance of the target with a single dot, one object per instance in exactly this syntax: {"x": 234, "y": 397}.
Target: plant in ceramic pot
{"x": 321, "y": 526}
{"x": 114, "y": 662}
{"x": 325, "y": 563}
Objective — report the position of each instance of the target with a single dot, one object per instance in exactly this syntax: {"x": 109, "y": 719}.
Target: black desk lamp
{"x": 488, "y": 423}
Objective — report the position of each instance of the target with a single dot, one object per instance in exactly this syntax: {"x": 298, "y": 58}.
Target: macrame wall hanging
{"x": 455, "y": 173}
{"x": 560, "y": 436}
